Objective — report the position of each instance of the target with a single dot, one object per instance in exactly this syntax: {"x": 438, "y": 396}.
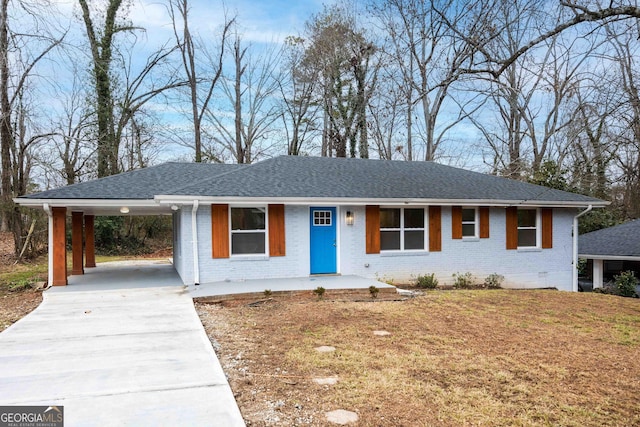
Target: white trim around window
{"x": 468, "y": 223}
{"x": 250, "y": 237}
{"x": 405, "y": 231}
{"x": 527, "y": 231}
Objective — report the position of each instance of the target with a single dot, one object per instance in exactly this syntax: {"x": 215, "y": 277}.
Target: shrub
{"x": 625, "y": 283}
{"x": 462, "y": 280}
{"x": 267, "y": 293}
{"x": 319, "y": 291}
{"x": 494, "y": 281}
{"x": 582, "y": 266}
{"x": 373, "y": 291}
{"x": 427, "y": 281}
{"x": 20, "y": 285}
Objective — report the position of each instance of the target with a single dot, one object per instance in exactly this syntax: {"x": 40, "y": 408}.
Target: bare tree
{"x": 341, "y": 54}
{"x": 74, "y": 129}
{"x": 201, "y": 80}
{"x": 21, "y": 52}
{"x": 430, "y": 58}
{"x": 297, "y": 85}
{"x": 249, "y": 96}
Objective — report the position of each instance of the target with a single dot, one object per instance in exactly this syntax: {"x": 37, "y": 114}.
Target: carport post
{"x": 58, "y": 249}
{"x": 89, "y": 242}
{"x": 598, "y": 273}
{"x": 76, "y": 243}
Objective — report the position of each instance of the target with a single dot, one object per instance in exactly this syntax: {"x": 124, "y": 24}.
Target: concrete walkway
{"x": 128, "y": 355}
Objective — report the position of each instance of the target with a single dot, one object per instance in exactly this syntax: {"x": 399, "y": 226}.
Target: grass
{"x": 522, "y": 358}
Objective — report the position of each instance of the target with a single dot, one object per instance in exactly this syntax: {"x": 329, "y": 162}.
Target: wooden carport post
{"x": 89, "y": 241}
{"x": 58, "y": 251}
{"x": 77, "y": 243}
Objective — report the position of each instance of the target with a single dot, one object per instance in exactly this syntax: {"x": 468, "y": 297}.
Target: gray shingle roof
{"x": 139, "y": 184}
{"x": 313, "y": 177}
{"x": 292, "y": 176}
{"x": 621, "y": 240}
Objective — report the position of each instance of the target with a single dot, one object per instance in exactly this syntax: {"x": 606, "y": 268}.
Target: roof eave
{"x": 355, "y": 201}
{"x": 39, "y": 203}
{"x": 611, "y": 257}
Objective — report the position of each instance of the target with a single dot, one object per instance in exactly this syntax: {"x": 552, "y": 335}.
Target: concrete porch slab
{"x": 219, "y": 289}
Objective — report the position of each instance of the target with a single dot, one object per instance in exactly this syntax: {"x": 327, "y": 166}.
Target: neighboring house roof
{"x": 619, "y": 242}
{"x": 293, "y": 177}
{"x": 139, "y": 184}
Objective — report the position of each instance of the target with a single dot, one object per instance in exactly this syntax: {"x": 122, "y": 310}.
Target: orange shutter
{"x": 456, "y": 222}
{"x": 372, "y": 229}
{"x": 435, "y": 229}
{"x": 484, "y": 222}
{"x": 276, "y": 230}
{"x": 547, "y": 228}
{"x": 512, "y": 227}
{"x": 220, "y": 231}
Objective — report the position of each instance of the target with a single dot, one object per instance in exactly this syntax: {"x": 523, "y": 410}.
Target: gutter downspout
{"x": 47, "y": 210}
{"x": 574, "y": 275}
{"x": 194, "y": 239}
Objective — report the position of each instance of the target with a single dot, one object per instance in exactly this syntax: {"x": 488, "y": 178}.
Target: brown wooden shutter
{"x": 276, "y": 230}
{"x": 484, "y": 222}
{"x": 435, "y": 229}
{"x": 512, "y": 227}
{"x": 547, "y": 228}
{"x": 456, "y": 222}
{"x": 220, "y": 231}
{"x": 372, "y": 229}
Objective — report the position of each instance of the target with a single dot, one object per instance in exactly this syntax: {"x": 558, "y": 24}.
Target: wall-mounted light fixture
{"x": 175, "y": 207}
{"x": 349, "y": 218}
{"x": 124, "y": 210}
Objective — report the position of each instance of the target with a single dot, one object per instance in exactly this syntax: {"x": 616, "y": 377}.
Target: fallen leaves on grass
{"x": 453, "y": 358}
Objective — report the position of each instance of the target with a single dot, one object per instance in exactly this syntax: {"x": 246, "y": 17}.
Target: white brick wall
{"x": 481, "y": 257}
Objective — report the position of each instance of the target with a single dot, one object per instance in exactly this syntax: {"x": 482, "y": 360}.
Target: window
{"x": 469, "y": 221}
{"x": 322, "y": 218}
{"x": 402, "y": 229}
{"x": 527, "y": 228}
{"x": 248, "y": 231}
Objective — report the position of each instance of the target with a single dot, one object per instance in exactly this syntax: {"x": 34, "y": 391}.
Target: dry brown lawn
{"x": 452, "y": 358}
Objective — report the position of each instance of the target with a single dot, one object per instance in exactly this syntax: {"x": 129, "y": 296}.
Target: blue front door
{"x": 323, "y": 240}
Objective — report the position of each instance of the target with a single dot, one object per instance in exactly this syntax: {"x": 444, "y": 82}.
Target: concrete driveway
{"x": 129, "y": 356}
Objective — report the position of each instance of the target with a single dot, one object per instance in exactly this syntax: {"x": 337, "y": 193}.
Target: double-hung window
{"x": 402, "y": 229}
{"x": 248, "y": 231}
{"x": 469, "y": 222}
{"x": 527, "y": 228}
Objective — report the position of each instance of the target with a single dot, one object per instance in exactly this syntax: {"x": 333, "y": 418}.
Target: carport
{"x": 83, "y": 214}
{"x": 125, "y": 194}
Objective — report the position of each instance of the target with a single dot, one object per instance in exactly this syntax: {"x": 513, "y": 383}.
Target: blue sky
{"x": 262, "y": 21}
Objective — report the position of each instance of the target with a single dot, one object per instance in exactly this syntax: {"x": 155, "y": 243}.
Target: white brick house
{"x": 301, "y": 216}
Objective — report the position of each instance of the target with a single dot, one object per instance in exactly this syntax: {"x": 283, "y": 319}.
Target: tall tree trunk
{"x": 101, "y": 52}
{"x": 6, "y": 131}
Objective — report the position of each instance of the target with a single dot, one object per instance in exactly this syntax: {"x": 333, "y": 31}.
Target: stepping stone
{"x": 342, "y": 417}
{"x": 325, "y": 349}
{"x": 326, "y": 381}
{"x": 381, "y": 333}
